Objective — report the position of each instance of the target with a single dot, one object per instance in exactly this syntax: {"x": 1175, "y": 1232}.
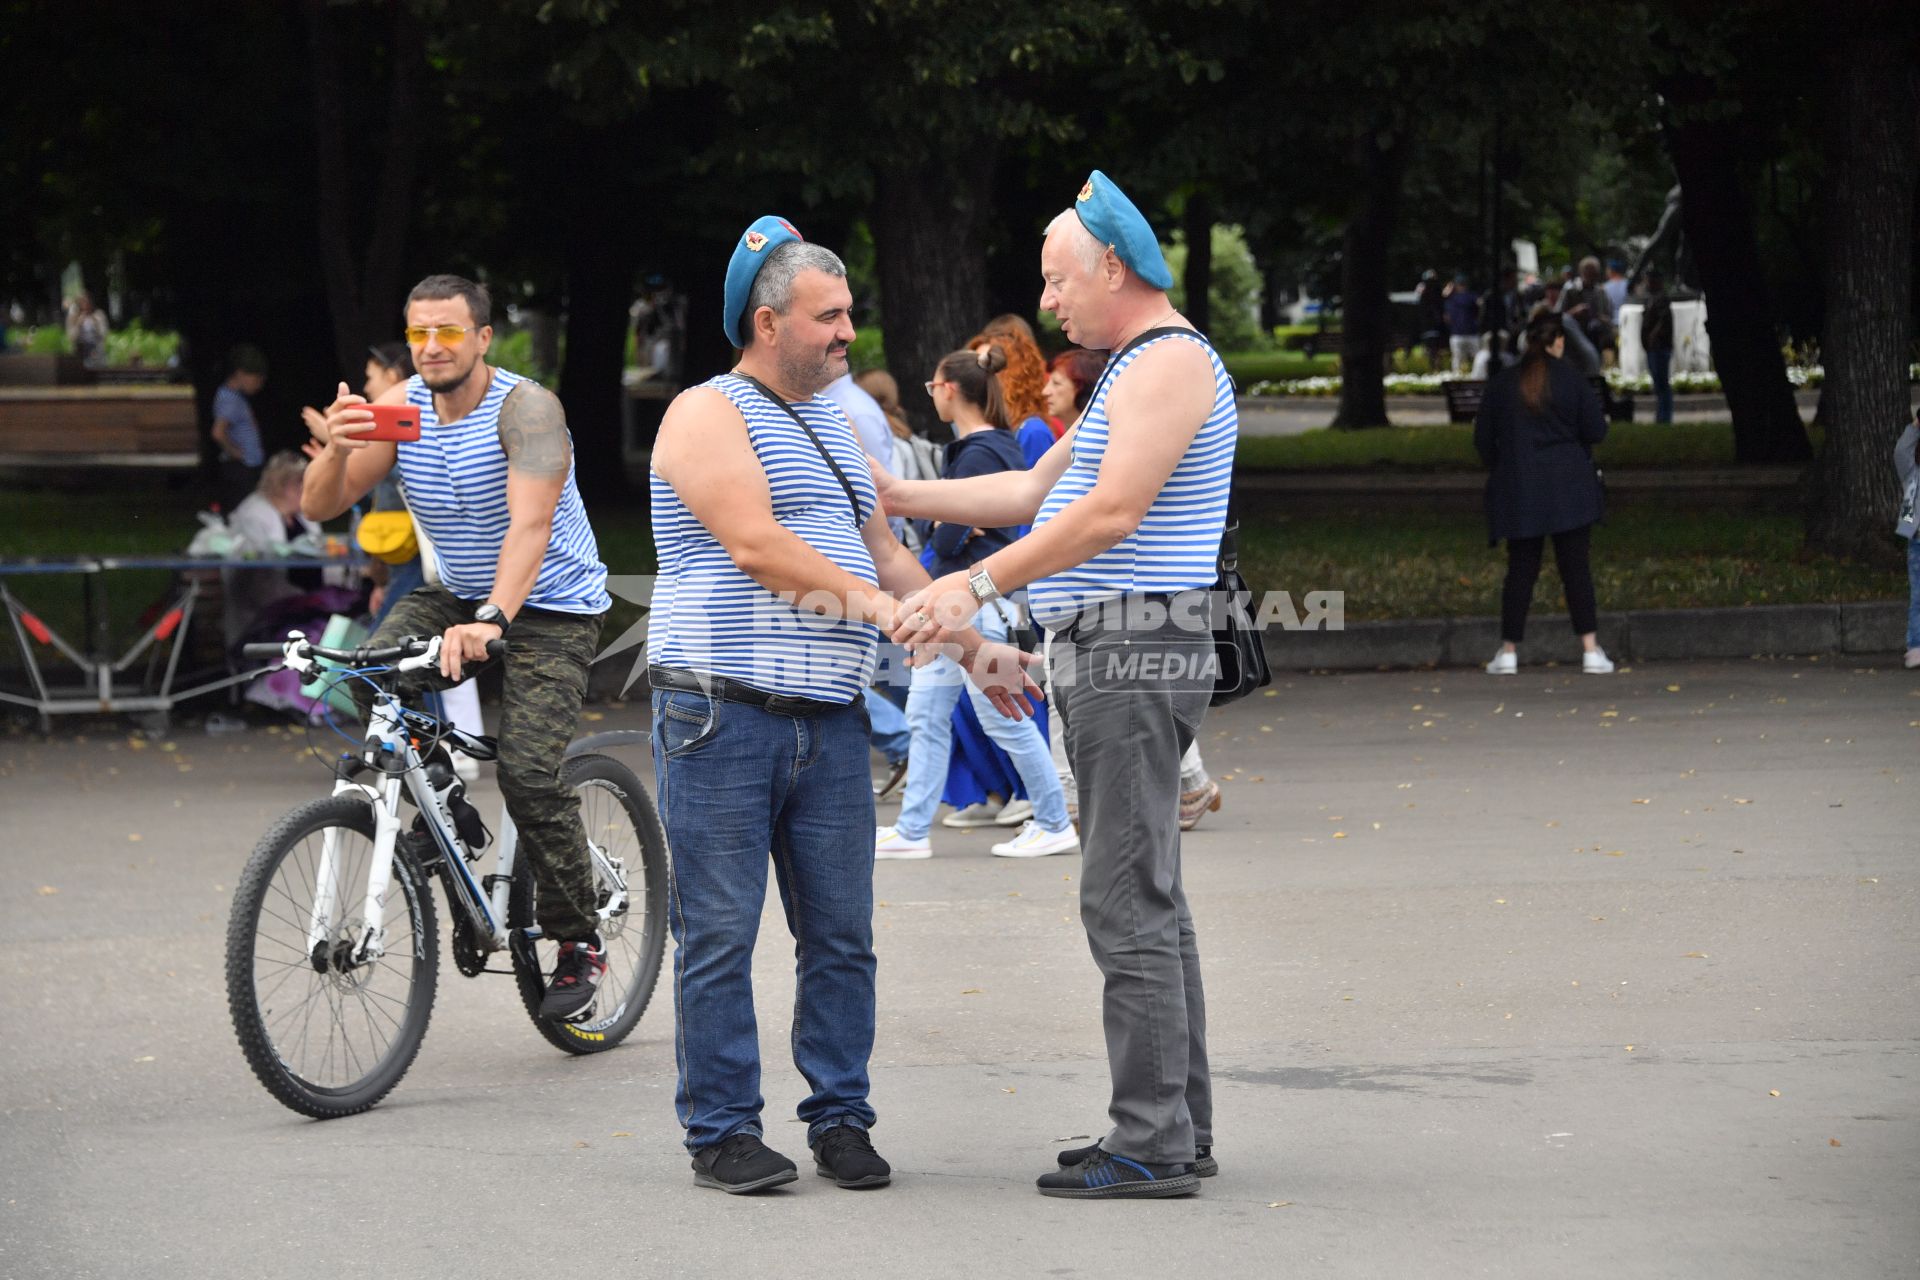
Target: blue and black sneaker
{"x": 1105, "y": 1176}
{"x": 1204, "y": 1165}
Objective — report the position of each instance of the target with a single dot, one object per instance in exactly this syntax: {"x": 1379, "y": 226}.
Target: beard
{"x": 452, "y": 381}
{"x": 812, "y": 369}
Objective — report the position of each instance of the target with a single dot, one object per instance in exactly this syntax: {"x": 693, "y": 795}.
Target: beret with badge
{"x": 756, "y": 243}
{"x": 1112, "y": 219}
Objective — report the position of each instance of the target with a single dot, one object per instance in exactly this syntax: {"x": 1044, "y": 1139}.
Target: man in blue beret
{"x": 1127, "y": 512}
{"x": 777, "y": 575}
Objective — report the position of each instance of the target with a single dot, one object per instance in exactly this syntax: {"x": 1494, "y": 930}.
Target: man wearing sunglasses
{"x": 491, "y": 481}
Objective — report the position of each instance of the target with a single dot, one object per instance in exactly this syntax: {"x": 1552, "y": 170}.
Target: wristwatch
{"x": 490, "y": 612}
{"x": 980, "y": 582}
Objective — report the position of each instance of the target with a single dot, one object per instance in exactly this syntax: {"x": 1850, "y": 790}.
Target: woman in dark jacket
{"x": 1536, "y": 432}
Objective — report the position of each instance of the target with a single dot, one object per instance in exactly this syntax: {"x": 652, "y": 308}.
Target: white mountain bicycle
{"x": 332, "y": 947}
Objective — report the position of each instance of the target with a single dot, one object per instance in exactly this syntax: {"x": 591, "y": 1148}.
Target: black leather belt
{"x": 725, "y": 690}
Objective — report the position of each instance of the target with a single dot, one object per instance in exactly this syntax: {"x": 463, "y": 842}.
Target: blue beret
{"x": 756, "y": 243}
{"x": 1110, "y": 217}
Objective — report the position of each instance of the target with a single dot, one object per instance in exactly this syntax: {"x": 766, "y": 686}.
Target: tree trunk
{"x": 1710, "y": 157}
{"x": 1197, "y": 279}
{"x": 1364, "y": 310}
{"x": 363, "y": 294}
{"x": 604, "y": 238}
{"x": 926, "y": 239}
{"x": 1872, "y": 150}
{"x": 1014, "y": 233}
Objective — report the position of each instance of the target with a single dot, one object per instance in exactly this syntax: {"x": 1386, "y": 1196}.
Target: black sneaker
{"x": 845, "y": 1154}
{"x": 1204, "y": 1165}
{"x": 741, "y": 1163}
{"x": 581, "y": 965}
{"x": 895, "y": 779}
{"x": 1105, "y": 1176}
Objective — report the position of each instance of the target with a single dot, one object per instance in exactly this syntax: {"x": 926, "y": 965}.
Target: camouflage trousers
{"x": 546, "y": 676}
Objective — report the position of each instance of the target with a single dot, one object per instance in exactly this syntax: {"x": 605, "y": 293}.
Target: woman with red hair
{"x": 1022, "y": 383}
{"x": 1070, "y": 380}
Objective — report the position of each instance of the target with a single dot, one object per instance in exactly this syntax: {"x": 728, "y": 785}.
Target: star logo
{"x": 634, "y": 588}
{"x": 755, "y": 242}
{"x": 1086, "y": 192}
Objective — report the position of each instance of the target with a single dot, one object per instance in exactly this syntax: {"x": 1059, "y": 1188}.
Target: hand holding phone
{"x": 398, "y": 422}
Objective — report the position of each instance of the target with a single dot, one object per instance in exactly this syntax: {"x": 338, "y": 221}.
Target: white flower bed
{"x": 1428, "y": 384}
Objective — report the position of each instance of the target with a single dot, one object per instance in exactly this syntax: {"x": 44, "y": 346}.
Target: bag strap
{"x": 1229, "y": 557}
{"x": 838, "y": 474}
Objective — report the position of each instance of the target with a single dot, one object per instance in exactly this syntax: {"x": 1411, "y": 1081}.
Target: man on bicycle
{"x": 491, "y": 482}
{"x": 776, "y": 564}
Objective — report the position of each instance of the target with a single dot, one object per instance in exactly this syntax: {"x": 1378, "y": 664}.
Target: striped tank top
{"x": 710, "y": 617}
{"x": 1177, "y": 546}
{"x": 455, "y": 477}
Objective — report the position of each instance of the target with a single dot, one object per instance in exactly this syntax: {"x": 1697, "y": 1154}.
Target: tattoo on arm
{"x": 533, "y": 432}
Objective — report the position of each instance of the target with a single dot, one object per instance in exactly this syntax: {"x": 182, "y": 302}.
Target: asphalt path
{"x": 1546, "y": 976}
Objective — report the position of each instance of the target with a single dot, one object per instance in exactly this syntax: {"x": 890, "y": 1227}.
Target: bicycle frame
{"x": 389, "y": 750}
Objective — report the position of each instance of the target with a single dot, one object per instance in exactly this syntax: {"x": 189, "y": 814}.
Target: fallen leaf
{"x": 578, "y": 1145}
{"x": 622, "y": 1133}
{"x": 1694, "y": 955}
{"x": 1673, "y": 688}
{"x": 1737, "y": 800}
{"x": 1339, "y": 835}
{"x": 1616, "y": 853}
{"x": 1833, "y": 1142}
{"x": 1499, "y": 902}
{"x": 133, "y": 837}
{"x": 46, "y": 891}
{"x": 1006, "y": 1090}
{"x": 1629, "y": 1048}
{"x": 1773, "y": 1093}
{"x": 147, "y": 1058}
{"x": 971, "y": 991}
{"x": 593, "y": 715}
{"x": 1278, "y": 1204}
{"x": 1649, "y": 801}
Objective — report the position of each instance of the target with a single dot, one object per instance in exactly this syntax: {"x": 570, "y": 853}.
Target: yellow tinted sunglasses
{"x": 450, "y": 335}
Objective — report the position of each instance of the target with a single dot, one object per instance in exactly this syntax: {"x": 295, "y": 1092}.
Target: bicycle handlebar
{"x": 409, "y": 647}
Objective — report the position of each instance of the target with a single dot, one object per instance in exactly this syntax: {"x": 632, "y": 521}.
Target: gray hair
{"x": 773, "y": 287}
{"x": 1086, "y": 247}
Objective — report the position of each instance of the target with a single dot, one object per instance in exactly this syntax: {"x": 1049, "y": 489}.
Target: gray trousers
{"x": 1132, "y": 703}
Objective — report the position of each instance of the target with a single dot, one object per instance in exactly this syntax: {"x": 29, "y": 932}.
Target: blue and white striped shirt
{"x": 1177, "y": 545}
{"x": 455, "y": 477}
{"x": 710, "y": 617}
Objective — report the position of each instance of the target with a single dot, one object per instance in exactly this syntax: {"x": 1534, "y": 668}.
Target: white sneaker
{"x": 974, "y": 815}
{"x": 1505, "y": 663}
{"x": 1016, "y": 812}
{"x": 1036, "y": 842}
{"x": 1595, "y": 662}
{"x": 889, "y": 844}
{"x": 1913, "y": 659}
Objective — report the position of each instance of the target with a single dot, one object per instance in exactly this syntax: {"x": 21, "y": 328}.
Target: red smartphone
{"x": 392, "y": 422}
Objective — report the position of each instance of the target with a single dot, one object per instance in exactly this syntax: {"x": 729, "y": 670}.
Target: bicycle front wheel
{"x": 624, "y": 830}
{"x": 327, "y": 1034}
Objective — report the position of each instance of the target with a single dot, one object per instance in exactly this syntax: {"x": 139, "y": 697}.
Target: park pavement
{"x": 1551, "y": 976}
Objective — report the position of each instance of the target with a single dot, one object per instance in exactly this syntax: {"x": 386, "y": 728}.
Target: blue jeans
{"x": 930, "y": 703}
{"x": 1659, "y": 366}
{"x": 1913, "y": 593}
{"x": 734, "y": 782}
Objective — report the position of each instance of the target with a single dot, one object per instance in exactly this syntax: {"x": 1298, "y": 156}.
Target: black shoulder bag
{"x": 1241, "y": 658}
{"x": 826, "y": 457}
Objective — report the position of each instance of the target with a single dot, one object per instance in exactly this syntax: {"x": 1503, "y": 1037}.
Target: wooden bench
{"x": 121, "y": 426}
{"x": 1465, "y": 394}
{"x": 1322, "y": 342}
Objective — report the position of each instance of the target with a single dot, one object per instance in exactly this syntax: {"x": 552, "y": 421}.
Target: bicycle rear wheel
{"x": 328, "y": 1036}
{"x": 620, "y": 822}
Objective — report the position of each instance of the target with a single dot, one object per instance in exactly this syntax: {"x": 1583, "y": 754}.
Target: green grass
{"x": 1249, "y": 367}
{"x": 1450, "y": 448}
{"x": 1435, "y": 565}
{"x": 1412, "y": 565}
